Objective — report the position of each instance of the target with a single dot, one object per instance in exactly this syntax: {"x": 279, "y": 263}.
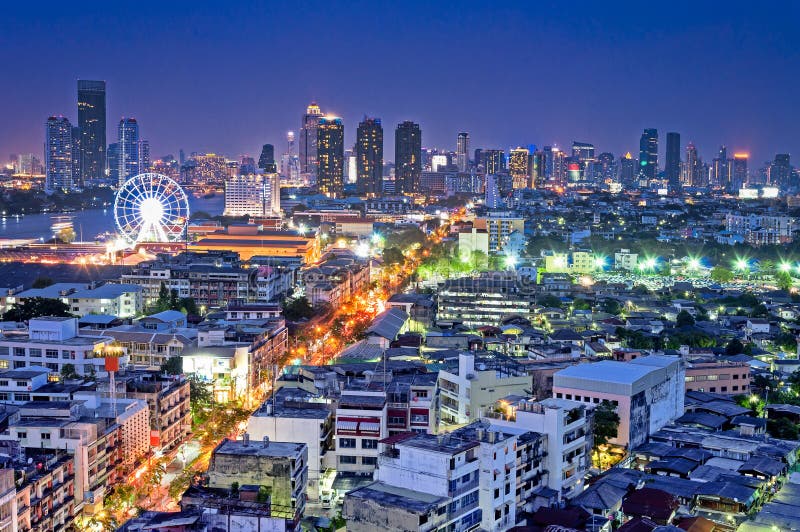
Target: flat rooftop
{"x": 609, "y": 376}
{"x": 274, "y": 449}
{"x": 385, "y": 495}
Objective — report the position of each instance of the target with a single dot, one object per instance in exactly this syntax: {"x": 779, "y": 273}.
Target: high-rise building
{"x": 92, "y": 123}
{"x": 672, "y": 162}
{"x": 112, "y": 156}
{"x": 128, "y": 145}
{"x": 58, "y": 154}
{"x": 537, "y": 165}
{"x": 330, "y": 156}
{"x": 494, "y": 161}
{"x": 144, "y": 156}
{"x": 604, "y": 169}
{"x": 266, "y": 161}
{"x": 76, "y": 157}
{"x": 518, "y": 166}
{"x": 627, "y": 169}
{"x": 583, "y": 154}
{"x": 408, "y": 157}
{"x": 648, "y": 155}
{"x": 722, "y": 169}
{"x": 253, "y": 195}
{"x": 462, "y": 152}
{"x": 478, "y": 157}
{"x": 780, "y": 171}
{"x": 309, "y": 139}
{"x": 693, "y": 169}
{"x": 369, "y": 157}
{"x": 739, "y": 171}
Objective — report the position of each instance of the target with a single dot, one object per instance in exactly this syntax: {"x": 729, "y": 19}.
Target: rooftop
{"x": 273, "y": 449}
{"x": 385, "y": 495}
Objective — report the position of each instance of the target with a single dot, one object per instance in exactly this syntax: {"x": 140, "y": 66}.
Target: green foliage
{"x": 782, "y": 428}
{"x": 392, "y": 255}
{"x": 611, "y": 306}
{"x": 606, "y": 423}
{"x": 784, "y": 281}
{"x": 42, "y": 282}
{"x": 721, "y": 274}
{"x": 297, "y": 309}
{"x": 759, "y": 311}
{"x": 68, "y": 372}
{"x": 234, "y": 488}
{"x": 549, "y": 300}
{"x": 173, "y": 365}
{"x": 36, "y": 307}
{"x": 581, "y": 304}
{"x": 684, "y": 319}
{"x": 200, "y": 396}
{"x": 785, "y": 341}
{"x": 169, "y": 300}
{"x": 734, "y": 347}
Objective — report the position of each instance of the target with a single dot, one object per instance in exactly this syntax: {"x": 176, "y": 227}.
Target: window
{"x": 397, "y": 420}
{"x": 45, "y": 435}
{"x": 736, "y": 376}
{"x": 35, "y": 352}
{"x": 559, "y": 395}
{"x": 369, "y": 444}
{"x": 65, "y": 355}
{"x": 22, "y": 435}
{"x": 712, "y": 389}
{"x": 724, "y": 389}
{"x": 369, "y": 460}
{"x": 4, "y": 396}
{"x": 345, "y": 459}
{"x": 51, "y": 353}
{"x": 22, "y": 397}
{"x": 19, "y": 364}
{"x": 4, "y": 383}
{"x": 347, "y": 443}
{"x": 19, "y": 351}
{"x": 735, "y": 388}
{"x": 22, "y": 384}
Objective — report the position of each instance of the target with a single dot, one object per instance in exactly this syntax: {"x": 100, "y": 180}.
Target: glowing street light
{"x": 511, "y": 261}
{"x": 785, "y": 267}
{"x": 600, "y": 262}
{"x": 741, "y": 265}
{"x": 693, "y": 264}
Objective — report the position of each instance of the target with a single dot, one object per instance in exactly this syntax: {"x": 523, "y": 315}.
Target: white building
{"x": 52, "y": 342}
{"x": 253, "y": 195}
{"x": 121, "y": 300}
{"x": 568, "y": 431}
{"x": 647, "y": 391}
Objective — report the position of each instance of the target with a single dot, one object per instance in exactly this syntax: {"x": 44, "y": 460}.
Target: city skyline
{"x": 509, "y": 110}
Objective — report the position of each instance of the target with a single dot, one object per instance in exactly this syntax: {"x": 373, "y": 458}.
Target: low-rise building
{"x": 121, "y": 300}
{"x": 718, "y": 376}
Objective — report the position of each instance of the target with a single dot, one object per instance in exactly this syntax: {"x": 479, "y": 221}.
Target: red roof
{"x": 397, "y": 438}
{"x": 650, "y": 502}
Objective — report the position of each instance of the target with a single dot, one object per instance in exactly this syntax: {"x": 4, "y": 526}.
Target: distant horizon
{"x": 229, "y": 80}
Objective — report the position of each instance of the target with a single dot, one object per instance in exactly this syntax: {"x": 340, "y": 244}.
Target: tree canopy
{"x": 36, "y": 307}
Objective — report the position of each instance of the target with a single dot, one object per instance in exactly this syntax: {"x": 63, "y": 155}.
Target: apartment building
{"x": 484, "y": 300}
{"x": 717, "y": 376}
{"x": 168, "y": 401}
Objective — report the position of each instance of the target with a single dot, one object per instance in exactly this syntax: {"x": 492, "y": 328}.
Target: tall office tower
{"x": 266, "y": 161}
{"x": 290, "y": 163}
{"x": 780, "y": 171}
{"x": 309, "y": 139}
{"x": 76, "y": 157}
{"x": 494, "y": 161}
{"x": 351, "y": 169}
{"x": 627, "y": 170}
{"x": 548, "y": 162}
{"x": 518, "y": 166}
{"x": 330, "y": 156}
{"x": 58, "y": 154}
{"x": 408, "y": 157}
{"x": 478, "y": 157}
{"x": 672, "y": 162}
{"x": 248, "y": 195}
{"x": 692, "y": 174}
{"x": 559, "y": 166}
{"x": 112, "y": 156}
{"x": 537, "y": 168}
{"x": 604, "y": 169}
{"x": 92, "y": 122}
{"x": 144, "y": 156}
{"x": 648, "y": 155}
{"x": 128, "y": 141}
{"x": 462, "y": 152}
{"x": 369, "y": 157}
{"x": 583, "y": 153}
{"x": 722, "y": 169}
{"x": 272, "y": 184}
{"x": 739, "y": 171}
{"x": 492, "y": 197}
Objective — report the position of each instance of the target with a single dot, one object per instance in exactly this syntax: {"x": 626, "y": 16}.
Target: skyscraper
{"x": 494, "y": 161}
{"x": 92, "y": 122}
{"x": 648, "y": 155}
{"x": 128, "y": 145}
{"x": 627, "y": 171}
{"x": 369, "y": 157}
{"x": 518, "y": 166}
{"x": 112, "y": 156}
{"x": 692, "y": 168}
{"x": 144, "y": 156}
{"x": 462, "y": 152}
{"x": 330, "y": 155}
{"x": 266, "y": 160}
{"x": 408, "y": 157}
{"x": 309, "y": 138}
{"x": 537, "y": 168}
{"x": 76, "y": 157}
{"x": 722, "y": 169}
{"x": 739, "y": 171}
{"x": 583, "y": 153}
{"x": 672, "y": 163}
{"x": 780, "y": 170}
{"x": 58, "y": 154}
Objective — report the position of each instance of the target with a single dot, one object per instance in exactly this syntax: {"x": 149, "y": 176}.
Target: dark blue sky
{"x": 229, "y": 76}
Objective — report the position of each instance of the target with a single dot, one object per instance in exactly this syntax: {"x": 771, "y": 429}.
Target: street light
{"x": 600, "y": 262}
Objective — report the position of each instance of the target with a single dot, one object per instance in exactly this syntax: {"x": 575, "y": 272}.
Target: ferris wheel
{"x": 151, "y": 208}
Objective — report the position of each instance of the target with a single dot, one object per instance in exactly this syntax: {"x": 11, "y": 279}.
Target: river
{"x": 87, "y": 224}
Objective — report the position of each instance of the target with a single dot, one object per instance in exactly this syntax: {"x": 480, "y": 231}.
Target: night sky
{"x": 230, "y": 76}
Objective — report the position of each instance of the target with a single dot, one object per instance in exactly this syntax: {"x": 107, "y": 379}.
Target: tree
{"x": 759, "y": 311}
{"x": 550, "y": 300}
{"x": 36, "y": 307}
{"x": 721, "y": 274}
{"x": 684, "y": 319}
{"x": 199, "y": 394}
{"x": 782, "y": 428}
{"x": 173, "y": 365}
{"x": 581, "y": 304}
{"x": 734, "y": 347}
{"x": 42, "y": 282}
{"x": 784, "y": 281}
{"x": 606, "y": 425}
{"x": 297, "y": 309}
{"x": 162, "y": 303}
{"x": 392, "y": 255}
{"x": 611, "y": 306}
{"x": 188, "y": 305}
{"x": 66, "y": 235}
{"x": 68, "y": 372}
{"x": 174, "y": 300}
